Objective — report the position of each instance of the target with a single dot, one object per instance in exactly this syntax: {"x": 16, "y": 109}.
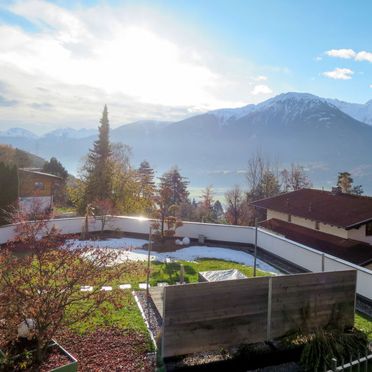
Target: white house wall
{"x": 310, "y": 224}
{"x": 360, "y": 234}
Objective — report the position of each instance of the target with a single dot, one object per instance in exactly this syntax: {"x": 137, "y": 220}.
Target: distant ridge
{"x": 214, "y": 148}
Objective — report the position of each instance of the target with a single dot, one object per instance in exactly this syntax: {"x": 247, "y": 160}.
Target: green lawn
{"x": 364, "y": 323}
{"x": 125, "y": 313}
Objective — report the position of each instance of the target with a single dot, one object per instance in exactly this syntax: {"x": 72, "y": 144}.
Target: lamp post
{"x": 255, "y": 245}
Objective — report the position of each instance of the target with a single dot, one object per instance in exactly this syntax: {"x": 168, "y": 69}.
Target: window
{"x": 289, "y": 218}
{"x": 317, "y": 225}
{"x": 369, "y": 229}
{"x": 39, "y": 186}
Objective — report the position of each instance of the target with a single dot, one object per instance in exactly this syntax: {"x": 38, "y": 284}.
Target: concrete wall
{"x": 301, "y": 255}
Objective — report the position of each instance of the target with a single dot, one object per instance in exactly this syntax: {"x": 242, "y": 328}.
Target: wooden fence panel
{"x": 205, "y": 316}
{"x": 209, "y": 316}
{"x": 309, "y": 301}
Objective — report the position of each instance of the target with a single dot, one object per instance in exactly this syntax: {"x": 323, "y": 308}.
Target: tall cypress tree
{"x": 99, "y": 167}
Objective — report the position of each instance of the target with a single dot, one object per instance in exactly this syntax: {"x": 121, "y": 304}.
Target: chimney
{"x": 336, "y": 190}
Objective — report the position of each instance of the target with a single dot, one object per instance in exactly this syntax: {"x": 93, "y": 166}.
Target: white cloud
{"x": 350, "y": 53}
{"x": 339, "y": 74}
{"x": 341, "y": 53}
{"x": 261, "y": 89}
{"x": 370, "y": 85}
{"x": 364, "y": 56}
{"x": 141, "y": 63}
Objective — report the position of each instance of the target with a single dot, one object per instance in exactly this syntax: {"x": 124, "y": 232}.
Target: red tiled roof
{"x": 350, "y": 250}
{"x": 342, "y": 210}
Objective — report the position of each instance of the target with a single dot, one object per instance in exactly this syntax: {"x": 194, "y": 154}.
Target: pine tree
{"x": 146, "y": 180}
{"x": 8, "y": 190}
{"x": 177, "y": 185}
{"x": 98, "y": 166}
{"x": 53, "y": 166}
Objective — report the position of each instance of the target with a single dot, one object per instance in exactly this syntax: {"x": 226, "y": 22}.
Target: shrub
{"x": 43, "y": 284}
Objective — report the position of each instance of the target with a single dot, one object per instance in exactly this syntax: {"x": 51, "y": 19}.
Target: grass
{"x": 170, "y": 272}
{"x": 125, "y": 313}
{"x": 364, "y": 324}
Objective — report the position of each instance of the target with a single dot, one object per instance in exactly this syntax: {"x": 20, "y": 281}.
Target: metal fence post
{"x": 269, "y": 302}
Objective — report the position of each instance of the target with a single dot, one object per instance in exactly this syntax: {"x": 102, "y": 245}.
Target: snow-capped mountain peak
{"x": 18, "y": 132}
{"x": 72, "y": 133}
{"x": 224, "y": 115}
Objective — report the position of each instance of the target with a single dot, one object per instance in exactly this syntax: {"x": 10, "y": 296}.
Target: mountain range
{"x": 325, "y": 135}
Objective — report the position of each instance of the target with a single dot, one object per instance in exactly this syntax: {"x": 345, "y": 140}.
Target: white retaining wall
{"x": 299, "y": 254}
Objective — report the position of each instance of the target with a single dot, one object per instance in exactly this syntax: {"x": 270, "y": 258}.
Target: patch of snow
{"x": 131, "y": 250}
{"x": 121, "y": 243}
{"x": 18, "y": 132}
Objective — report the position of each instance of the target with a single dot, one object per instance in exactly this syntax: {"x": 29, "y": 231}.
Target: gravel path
{"x": 150, "y": 312}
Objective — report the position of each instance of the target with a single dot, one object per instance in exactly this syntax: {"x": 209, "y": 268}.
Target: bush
{"x": 38, "y": 288}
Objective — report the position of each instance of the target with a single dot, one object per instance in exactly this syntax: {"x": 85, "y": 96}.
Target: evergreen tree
{"x": 53, "y": 166}
{"x": 98, "y": 166}
{"x": 218, "y": 211}
{"x": 146, "y": 180}
{"x": 8, "y": 191}
{"x": 177, "y": 185}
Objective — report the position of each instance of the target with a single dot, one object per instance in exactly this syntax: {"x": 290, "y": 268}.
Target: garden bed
{"x": 109, "y": 349}
{"x": 57, "y": 358}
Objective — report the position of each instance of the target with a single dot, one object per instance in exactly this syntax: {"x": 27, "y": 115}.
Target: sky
{"x": 61, "y": 61}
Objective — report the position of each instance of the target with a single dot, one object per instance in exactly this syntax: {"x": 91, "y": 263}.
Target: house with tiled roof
{"x": 333, "y": 222}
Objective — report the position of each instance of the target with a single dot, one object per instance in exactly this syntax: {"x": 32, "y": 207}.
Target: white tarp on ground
{"x": 132, "y": 250}
{"x": 218, "y": 275}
